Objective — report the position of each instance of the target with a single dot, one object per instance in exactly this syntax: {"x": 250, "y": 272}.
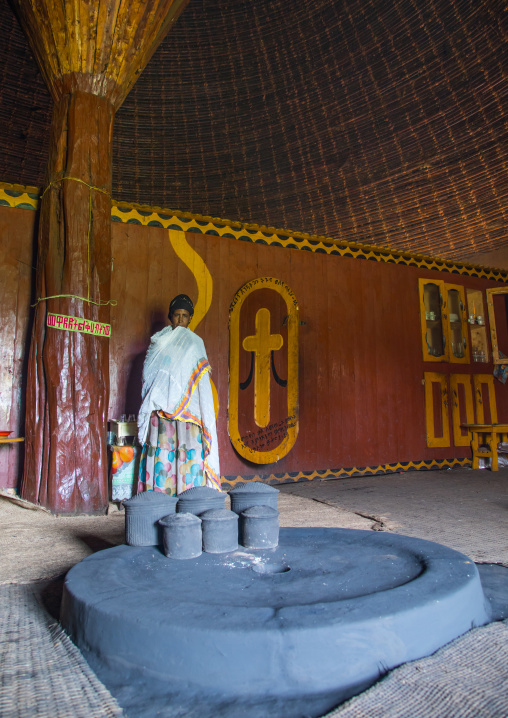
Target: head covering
{"x": 181, "y": 301}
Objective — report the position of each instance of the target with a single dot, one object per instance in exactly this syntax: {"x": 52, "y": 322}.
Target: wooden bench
{"x": 491, "y": 435}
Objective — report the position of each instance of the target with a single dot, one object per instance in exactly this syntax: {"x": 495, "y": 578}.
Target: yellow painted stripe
{"x": 144, "y": 215}
{"x": 353, "y": 472}
{"x": 203, "y": 278}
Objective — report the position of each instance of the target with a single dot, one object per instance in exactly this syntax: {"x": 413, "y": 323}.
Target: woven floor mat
{"x": 466, "y": 678}
{"x": 42, "y": 672}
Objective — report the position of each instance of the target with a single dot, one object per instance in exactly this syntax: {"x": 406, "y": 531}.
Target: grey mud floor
{"x": 464, "y": 509}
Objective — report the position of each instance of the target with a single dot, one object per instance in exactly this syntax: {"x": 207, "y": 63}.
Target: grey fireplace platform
{"x": 291, "y": 631}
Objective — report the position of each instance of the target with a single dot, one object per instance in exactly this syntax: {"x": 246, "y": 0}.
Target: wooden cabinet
{"x": 443, "y": 317}
{"x": 477, "y": 328}
{"x": 453, "y": 318}
{"x": 466, "y": 398}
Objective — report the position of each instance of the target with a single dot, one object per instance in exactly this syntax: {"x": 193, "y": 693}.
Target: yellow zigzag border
{"x": 27, "y": 198}
{"x": 294, "y": 477}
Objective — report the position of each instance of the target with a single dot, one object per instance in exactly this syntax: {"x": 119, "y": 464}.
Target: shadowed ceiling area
{"x": 362, "y": 120}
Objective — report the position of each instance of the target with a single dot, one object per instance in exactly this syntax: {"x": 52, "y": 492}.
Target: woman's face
{"x": 180, "y": 318}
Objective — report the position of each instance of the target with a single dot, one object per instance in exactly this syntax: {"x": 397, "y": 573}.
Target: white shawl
{"x": 176, "y": 381}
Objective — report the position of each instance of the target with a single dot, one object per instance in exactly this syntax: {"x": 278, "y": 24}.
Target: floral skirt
{"x": 172, "y": 458}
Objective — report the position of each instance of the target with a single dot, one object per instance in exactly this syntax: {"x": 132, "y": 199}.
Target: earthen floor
{"x": 464, "y": 509}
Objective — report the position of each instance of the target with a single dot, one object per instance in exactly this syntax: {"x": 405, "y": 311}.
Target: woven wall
{"x": 362, "y": 120}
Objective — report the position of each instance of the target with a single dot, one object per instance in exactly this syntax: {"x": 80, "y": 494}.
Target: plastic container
{"x": 181, "y": 535}
{"x": 124, "y": 471}
{"x": 220, "y": 530}
{"x": 199, "y": 499}
{"x": 253, "y": 493}
{"x": 259, "y": 527}
{"x": 142, "y": 513}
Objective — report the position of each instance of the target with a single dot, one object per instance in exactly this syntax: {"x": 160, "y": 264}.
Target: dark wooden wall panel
{"x": 324, "y": 411}
{"x": 341, "y": 281}
{"x": 361, "y": 366}
{"x": 16, "y": 281}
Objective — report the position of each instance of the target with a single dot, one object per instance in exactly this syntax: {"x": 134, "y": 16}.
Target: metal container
{"x": 253, "y": 493}
{"x": 199, "y": 499}
{"x": 259, "y": 527}
{"x": 123, "y": 428}
{"x": 181, "y": 535}
{"x": 220, "y": 530}
{"x": 142, "y": 513}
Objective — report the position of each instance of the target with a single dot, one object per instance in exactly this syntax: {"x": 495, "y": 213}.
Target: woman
{"x": 176, "y": 423}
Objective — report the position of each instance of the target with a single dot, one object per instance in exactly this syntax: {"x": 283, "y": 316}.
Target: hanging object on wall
{"x": 78, "y": 324}
{"x": 263, "y": 410}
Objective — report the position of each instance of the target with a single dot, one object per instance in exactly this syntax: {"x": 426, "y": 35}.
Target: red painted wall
{"x": 361, "y": 368}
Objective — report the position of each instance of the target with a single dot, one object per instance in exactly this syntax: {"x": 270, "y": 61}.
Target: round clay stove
{"x": 290, "y": 631}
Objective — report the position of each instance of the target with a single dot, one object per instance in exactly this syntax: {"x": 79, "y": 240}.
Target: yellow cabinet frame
{"x": 442, "y": 323}
{"x": 473, "y": 406}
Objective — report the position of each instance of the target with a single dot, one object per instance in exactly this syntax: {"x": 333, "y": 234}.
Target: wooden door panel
{"x": 436, "y": 409}
{"x": 485, "y": 399}
{"x": 462, "y": 407}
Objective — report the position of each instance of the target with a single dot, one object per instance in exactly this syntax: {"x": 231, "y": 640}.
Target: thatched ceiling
{"x": 366, "y": 120}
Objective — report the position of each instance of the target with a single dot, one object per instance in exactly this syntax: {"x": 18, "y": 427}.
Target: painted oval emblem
{"x": 263, "y": 370}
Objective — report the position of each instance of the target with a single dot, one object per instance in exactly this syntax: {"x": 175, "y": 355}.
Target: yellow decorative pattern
{"x": 294, "y": 477}
{"x": 262, "y": 344}
{"x": 26, "y": 198}
{"x": 203, "y": 278}
{"x": 19, "y": 197}
{"x": 204, "y": 282}
{"x": 293, "y": 240}
{"x": 287, "y": 443}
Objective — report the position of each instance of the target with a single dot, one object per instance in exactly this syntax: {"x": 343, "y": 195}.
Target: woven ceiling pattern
{"x": 374, "y": 122}
{"x": 25, "y": 107}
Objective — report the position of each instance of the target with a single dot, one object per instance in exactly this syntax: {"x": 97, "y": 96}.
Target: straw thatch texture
{"x": 362, "y": 120}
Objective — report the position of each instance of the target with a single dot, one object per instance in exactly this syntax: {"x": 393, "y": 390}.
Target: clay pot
{"x": 259, "y": 527}
{"x": 181, "y": 536}
{"x": 142, "y": 513}
{"x": 253, "y": 493}
{"x": 199, "y": 499}
{"x": 220, "y": 530}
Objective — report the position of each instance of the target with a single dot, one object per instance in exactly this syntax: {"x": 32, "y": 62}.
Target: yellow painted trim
{"x": 203, "y": 278}
{"x": 455, "y": 381}
{"x": 263, "y": 457}
{"x": 16, "y": 196}
{"x": 432, "y": 439}
{"x": 306, "y": 241}
{"x": 488, "y": 379}
{"x": 215, "y": 396}
{"x": 262, "y": 343}
{"x": 346, "y": 473}
{"x": 127, "y": 212}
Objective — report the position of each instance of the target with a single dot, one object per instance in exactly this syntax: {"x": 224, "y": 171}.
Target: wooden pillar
{"x": 90, "y": 55}
{"x": 68, "y": 375}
